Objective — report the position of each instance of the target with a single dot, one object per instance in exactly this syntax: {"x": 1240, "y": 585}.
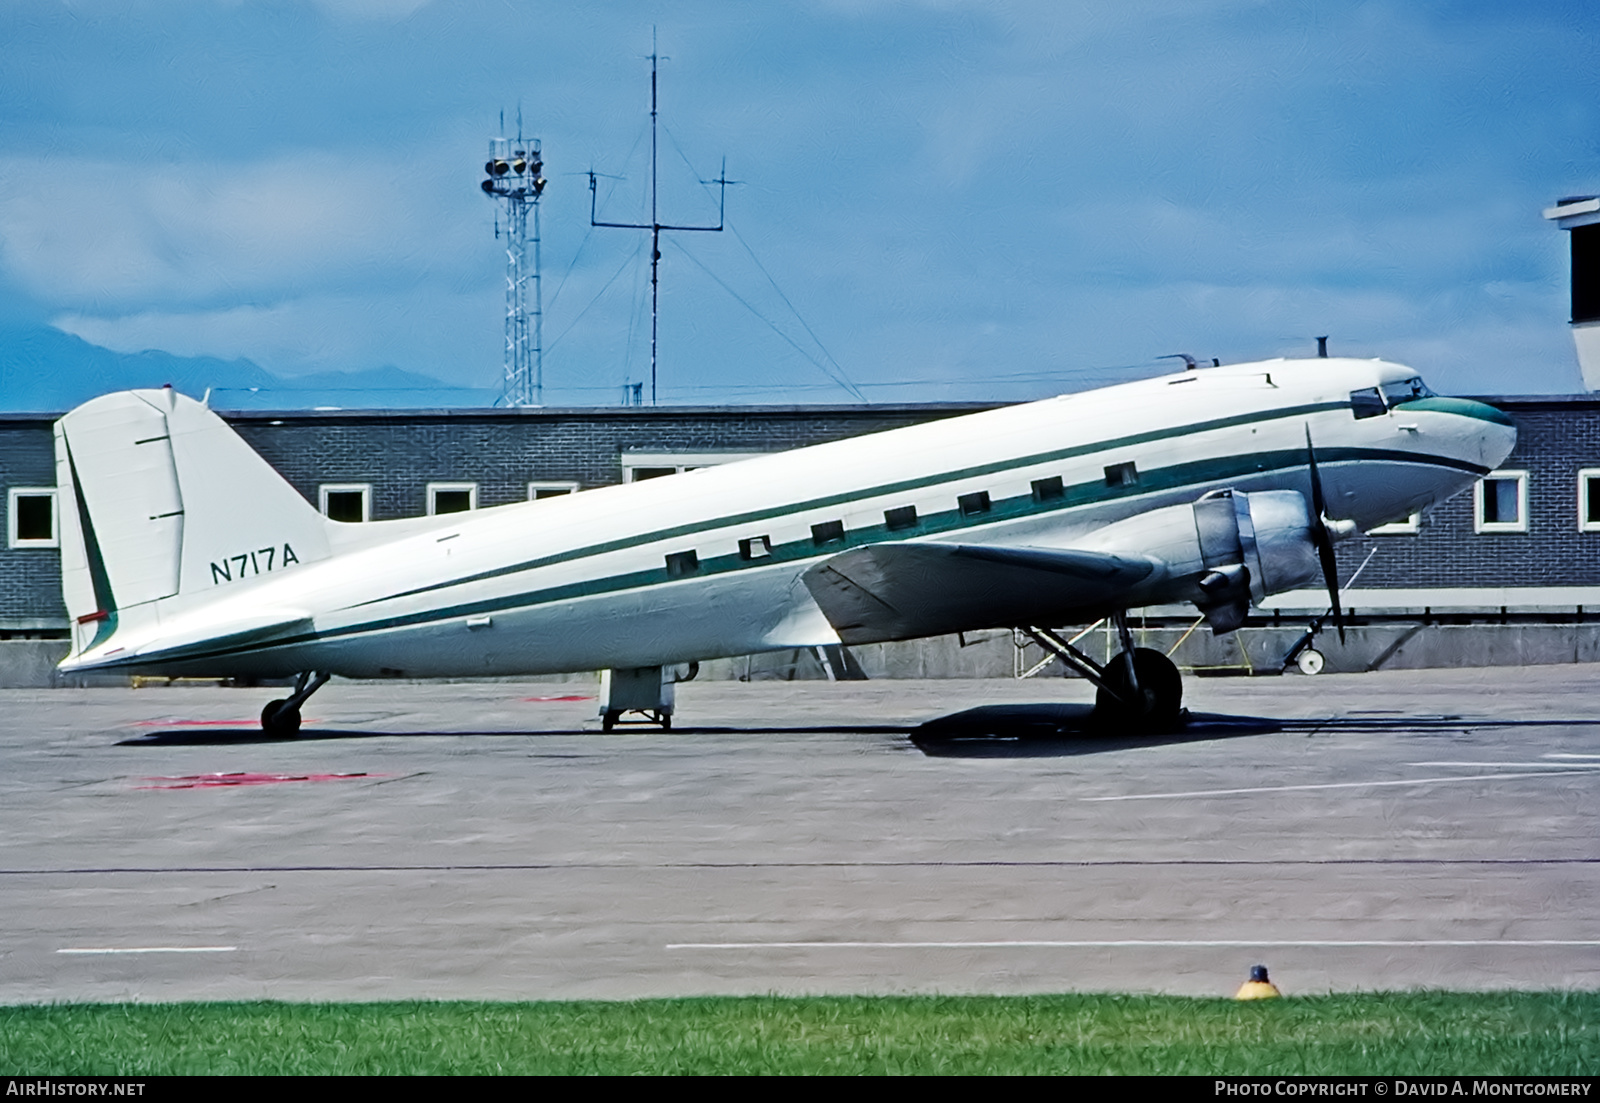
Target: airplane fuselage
{"x": 709, "y": 563}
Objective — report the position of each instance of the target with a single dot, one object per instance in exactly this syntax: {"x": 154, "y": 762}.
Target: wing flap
{"x": 905, "y": 591}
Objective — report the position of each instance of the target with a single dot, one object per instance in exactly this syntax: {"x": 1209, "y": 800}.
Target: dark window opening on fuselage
{"x": 1122, "y": 474}
{"x": 827, "y": 532}
{"x": 899, "y": 518}
{"x": 973, "y": 504}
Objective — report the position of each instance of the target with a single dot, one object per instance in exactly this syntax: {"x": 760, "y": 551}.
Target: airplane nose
{"x": 1484, "y": 430}
{"x": 1497, "y": 433}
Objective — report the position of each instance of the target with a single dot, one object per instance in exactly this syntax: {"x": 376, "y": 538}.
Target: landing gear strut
{"x": 282, "y": 717}
{"x": 1139, "y": 689}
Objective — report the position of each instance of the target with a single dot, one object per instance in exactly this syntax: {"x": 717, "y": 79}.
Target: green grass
{"x": 1388, "y": 1033}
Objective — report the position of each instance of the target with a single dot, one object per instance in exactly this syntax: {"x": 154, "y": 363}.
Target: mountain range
{"x": 45, "y": 370}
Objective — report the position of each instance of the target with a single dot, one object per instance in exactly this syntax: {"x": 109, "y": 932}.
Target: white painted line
{"x": 1566, "y": 772}
{"x": 1560, "y": 754}
{"x": 148, "y": 950}
{"x": 1136, "y": 943}
{"x": 1515, "y": 765}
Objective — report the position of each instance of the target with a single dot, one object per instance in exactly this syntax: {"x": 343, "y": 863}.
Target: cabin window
{"x": 900, "y": 518}
{"x": 351, "y": 502}
{"x": 755, "y": 547}
{"x": 682, "y": 564}
{"x": 1122, "y": 474}
{"x": 1367, "y": 402}
{"x": 1589, "y": 499}
{"x": 1048, "y": 490}
{"x": 538, "y": 492}
{"x": 827, "y": 532}
{"x": 31, "y": 518}
{"x": 973, "y": 504}
{"x": 452, "y": 498}
{"x": 1501, "y": 502}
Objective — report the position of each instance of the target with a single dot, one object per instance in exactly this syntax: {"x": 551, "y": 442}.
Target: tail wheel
{"x": 1310, "y": 661}
{"x": 274, "y": 724}
{"x": 1158, "y": 703}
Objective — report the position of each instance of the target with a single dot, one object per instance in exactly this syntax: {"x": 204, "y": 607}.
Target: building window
{"x": 1589, "y": 499}
{"x": 1122, "y": 474}
{"x": 827, "y": 532}
{"x": 682, "y": 564}
{"x": 973, "y": 504}
{"x": 539, "y": 491}
{"x": 755, "y": 547}
{"x": 1409, "y": 527}
{"x": 1048, "y": 490}
{"x": 1500, "y": 503}
{"x": 452, "y": 498}
{"x": 346, "y": 501}
{"x": 639, "y": 466}
{"x": 31, "y": 517}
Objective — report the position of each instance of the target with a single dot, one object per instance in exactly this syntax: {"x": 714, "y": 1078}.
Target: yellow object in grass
{"x": 1258, "y": 987}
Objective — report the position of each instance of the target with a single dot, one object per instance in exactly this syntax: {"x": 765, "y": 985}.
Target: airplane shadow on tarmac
{"x": 1060, "y": 730}
{"x": 1042, "y": 730}
{"x": 245, "y": 736}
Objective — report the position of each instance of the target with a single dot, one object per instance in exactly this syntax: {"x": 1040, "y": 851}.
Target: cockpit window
{"x": 1405, "y": 391}
{"x": 1375, "y": 401}
{"x": 1367, "y": 402}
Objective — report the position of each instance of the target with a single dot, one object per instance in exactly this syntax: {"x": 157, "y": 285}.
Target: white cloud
{"x": 455, "y": 337}
{"x": 101, "y": 234}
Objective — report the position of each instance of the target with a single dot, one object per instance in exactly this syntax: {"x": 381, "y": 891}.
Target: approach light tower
{"x": 515, "y": 177}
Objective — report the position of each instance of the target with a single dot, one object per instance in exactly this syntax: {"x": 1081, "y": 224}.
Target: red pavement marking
{"x": 567, "y": 697}
{"x": 212, "y": 781}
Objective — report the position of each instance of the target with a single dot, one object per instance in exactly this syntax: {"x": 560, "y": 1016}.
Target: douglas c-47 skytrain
{"x": 184, "y": 553}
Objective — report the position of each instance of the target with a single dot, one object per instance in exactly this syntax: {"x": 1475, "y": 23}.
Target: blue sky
{"x": 955, "y": 200}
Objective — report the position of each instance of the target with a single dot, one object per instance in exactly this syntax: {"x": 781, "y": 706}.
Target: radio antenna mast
{"x": 655, "y": 225}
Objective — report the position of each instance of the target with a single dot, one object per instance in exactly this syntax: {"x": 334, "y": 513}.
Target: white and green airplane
{"x": 184, "y": 553}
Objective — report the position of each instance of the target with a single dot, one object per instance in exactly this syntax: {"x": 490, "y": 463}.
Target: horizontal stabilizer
{"x": 906, "y": 591}
{"x": 251, "y": 629}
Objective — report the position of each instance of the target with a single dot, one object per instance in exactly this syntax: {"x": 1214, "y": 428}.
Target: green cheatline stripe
{"x": 1168, "y": 478}
{"x": 770, "y": 512}
{"x": 104, "y": 600}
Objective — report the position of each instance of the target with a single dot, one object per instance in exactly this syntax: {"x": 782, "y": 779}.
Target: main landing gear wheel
{"x": 1156, "y": 706}
{"x": 286, "y": 724}
{"x": 1310, "y": 661}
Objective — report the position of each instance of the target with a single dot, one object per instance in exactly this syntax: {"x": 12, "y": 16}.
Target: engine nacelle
{"x": 1223, "y": 552}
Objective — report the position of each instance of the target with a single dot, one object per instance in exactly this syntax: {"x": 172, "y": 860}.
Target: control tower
{"x": 1579, "y": 215}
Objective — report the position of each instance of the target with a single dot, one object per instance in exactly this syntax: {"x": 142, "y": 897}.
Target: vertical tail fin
{"x": 160, "y": 499}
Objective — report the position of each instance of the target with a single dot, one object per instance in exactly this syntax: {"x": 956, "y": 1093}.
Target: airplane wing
{"x": 903, "y": 591}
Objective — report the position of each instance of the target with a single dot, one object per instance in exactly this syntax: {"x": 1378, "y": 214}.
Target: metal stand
{"x": 647, "y": 691}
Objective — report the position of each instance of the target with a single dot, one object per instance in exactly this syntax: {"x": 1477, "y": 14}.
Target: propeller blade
{"x": 1322, "y": 538}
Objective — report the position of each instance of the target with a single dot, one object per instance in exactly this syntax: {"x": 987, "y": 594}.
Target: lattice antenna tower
{"x": 515, "y": 178}
{"x": 655, "y": 225}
